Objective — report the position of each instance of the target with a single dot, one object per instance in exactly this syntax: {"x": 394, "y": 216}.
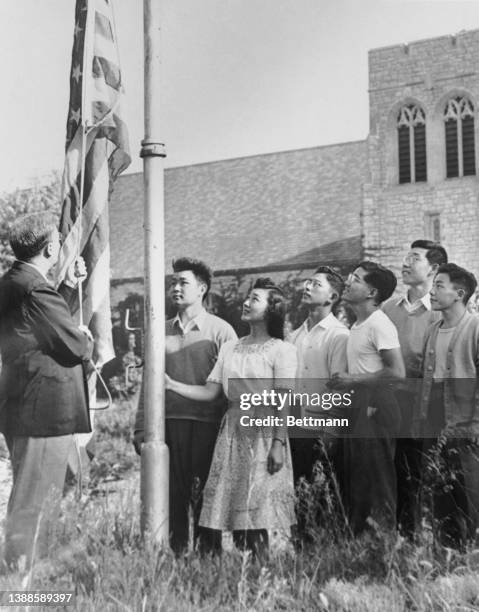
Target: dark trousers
{"x": 408, "y": 461}
{"x": 371, "y": 483}
{"x": 191, "y": 445}
{"x": 370, "y": 472}
{"x": 452, "y": 468}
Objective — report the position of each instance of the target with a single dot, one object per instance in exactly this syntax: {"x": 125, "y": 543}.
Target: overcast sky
{"x": 241, "y": 77}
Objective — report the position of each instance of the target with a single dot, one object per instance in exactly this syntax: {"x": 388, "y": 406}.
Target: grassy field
{"x": 97, "y": 550}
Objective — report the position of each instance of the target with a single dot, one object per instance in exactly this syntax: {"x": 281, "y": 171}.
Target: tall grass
{"x": 97, "y": 550}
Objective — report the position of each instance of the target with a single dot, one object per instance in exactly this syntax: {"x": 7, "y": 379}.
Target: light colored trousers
{"x": 39, "y": 467}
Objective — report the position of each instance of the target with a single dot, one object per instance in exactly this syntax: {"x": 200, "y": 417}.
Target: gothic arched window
{"x": 411, "y": 126}
{"x": 459, "y": 130}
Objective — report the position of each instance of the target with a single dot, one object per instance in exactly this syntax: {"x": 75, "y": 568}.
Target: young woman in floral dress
{"x": 250, "y": 485}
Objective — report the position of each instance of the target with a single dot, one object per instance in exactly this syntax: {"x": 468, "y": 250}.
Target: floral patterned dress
{"x": 240, "y": 493}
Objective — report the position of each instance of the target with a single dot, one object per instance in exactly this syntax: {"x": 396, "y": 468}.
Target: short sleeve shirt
{"x": 366, "y": 339}
{"x": 322, "y": 349}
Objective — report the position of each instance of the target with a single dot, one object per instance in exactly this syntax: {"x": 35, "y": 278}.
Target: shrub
{"x": 22, "y": 201}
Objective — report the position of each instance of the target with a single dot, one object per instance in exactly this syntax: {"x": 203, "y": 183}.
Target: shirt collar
{"x": 197, "y": 321}
{"x": 425, "y": 301}
{"x": 327, "y": 323}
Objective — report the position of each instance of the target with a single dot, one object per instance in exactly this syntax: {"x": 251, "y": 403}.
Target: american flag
{"x": 96, "y": 152}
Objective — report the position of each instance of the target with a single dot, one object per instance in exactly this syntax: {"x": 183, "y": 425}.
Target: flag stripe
{"x": 99, "y": 290}
{"x": 92, "y": 283}
{"x": 110, "y": 72}
{"x": 73, "y": 178}
{"x": 91, "y": 189}
{"x": 115, "y": 131}
{"x": 103, "y": 26}
{"x": 105, "y": 48}
{"x": 95, "y": 225}
{"x": 95, "y": 239}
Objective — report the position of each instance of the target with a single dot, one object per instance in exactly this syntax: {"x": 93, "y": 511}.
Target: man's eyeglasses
{"x": 354, "y": 277}
{"x": 311, "y": 282}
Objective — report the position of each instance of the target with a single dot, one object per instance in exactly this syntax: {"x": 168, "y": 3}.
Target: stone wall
{"x": 246, "y": 212}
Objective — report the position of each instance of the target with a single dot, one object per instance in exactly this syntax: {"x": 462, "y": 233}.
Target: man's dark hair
{"x": 276, "y": 312}
{"x": 379, "y": 277}
{"x": 31, "y": 233}
{"x": 335, "y": 280}
{"x": 436, "y": 254}
{"x": 460, "y": 278}
{"x": 201, "y": 271}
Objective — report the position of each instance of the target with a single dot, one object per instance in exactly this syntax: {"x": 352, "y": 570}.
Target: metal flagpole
{"x": 154, "y": 452}
{"x": 85, "y": 115}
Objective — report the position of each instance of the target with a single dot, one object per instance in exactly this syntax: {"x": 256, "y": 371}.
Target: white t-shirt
{"x": 376, "y": 333}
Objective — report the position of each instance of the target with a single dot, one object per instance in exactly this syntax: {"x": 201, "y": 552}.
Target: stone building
{"x": 422, "y": 152}
{"x": 414, "y": 176}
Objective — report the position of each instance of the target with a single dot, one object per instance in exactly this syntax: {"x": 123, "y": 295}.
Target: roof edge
{"x": 421, "y": 41}
{"x": 255, "y": 155}
{"x": 306, "y": 265}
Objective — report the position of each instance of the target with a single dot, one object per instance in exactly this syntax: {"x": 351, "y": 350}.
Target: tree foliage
{"x": 22, "y": 201}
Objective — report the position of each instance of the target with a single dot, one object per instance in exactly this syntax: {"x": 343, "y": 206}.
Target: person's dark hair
{"x": 379, "y": 277}
{"x": 436, "y": 254}
{"x": 335, "y": 280}
{"x": 202, "y": 272}
{"x": 276, "y": 312}
{"x": 460, "y": 278}
{"x": 31, "y": 233}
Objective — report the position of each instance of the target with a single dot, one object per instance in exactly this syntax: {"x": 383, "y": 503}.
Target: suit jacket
{"x": 43, "y": 389}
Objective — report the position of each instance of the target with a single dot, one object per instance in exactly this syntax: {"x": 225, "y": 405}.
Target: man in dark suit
{"x": 43, "y": 392}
